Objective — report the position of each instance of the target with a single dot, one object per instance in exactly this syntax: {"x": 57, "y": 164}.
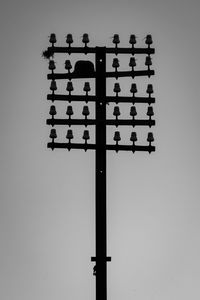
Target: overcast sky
{"x": 47, "y": 198}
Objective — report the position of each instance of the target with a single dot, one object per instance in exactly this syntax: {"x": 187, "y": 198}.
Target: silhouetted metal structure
{"x": 86, "y": 69}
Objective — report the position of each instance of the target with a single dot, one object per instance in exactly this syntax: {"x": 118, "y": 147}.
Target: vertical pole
{"x": 101, "y": 245}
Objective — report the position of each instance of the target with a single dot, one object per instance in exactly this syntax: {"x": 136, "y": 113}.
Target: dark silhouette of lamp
{"x": 52, "y": 111}
{"x": 85, "y": 40}
{"x": 132, "y": 40}
{"x": 52, "y": 65}
{"x": 116, "y": 113}
{"x": 68, "y": 65}
{"x": 117, "y": 90}
{"x": 52, "y": 39}
{"x": 148, "y": 40}
{"x": 53, "y": 135}
{"x": 116, "y": 40}
{"x": 133, "y": 90}
{"x": 150, "y": 112}
{"x": 69, "y": 88}
{"x": 85, "y": 112}
{"x": 115, "y": 65}
{"x": 69, "y": 136}
{"x": 133, "y": 113}
{"x": 69, "y": 39}
{"x": 53, "y": 86}
{"x": 86, "y": 137}
{"x": 150, "y": 138}
{"x": 132, "y": 64}
{"x": 69, "y": 112}
{"x": 133, "y": 139}
{"x": 86, "y": 89}
{"x": 117, "y": 139}
{"x": 148, "y": 63}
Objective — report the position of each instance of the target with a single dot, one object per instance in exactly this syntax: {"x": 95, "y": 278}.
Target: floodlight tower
{"x": 86, "y": 69}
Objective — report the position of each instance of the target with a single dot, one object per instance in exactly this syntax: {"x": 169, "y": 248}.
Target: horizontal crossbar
{"x": 90, "y": 98}
{"x": 57, "y": 76}
{"x": 87, "y": 50}
{"x": 69, "y": 146}
{"x": 111, "y": 122}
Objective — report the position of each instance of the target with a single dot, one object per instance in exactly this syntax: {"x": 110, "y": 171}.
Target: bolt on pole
{"x": 86, "y": 69}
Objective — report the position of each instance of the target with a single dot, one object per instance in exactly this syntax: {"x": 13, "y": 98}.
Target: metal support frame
{"x": 100, "y": 122}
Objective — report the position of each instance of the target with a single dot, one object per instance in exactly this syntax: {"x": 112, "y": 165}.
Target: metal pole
{"x": 101, "y": 245}
{"x": 100, "y": 123}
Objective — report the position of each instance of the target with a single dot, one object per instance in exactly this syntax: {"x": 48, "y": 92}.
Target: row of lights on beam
{"x": 133, "y": 112}
{"x": 116, "y": 138}
{"x": 133, "y": 89}
{"x": 132, "y": 63}
{"x": 115, "y": 64}
{"x": 87, "y": 88}
{"x": 116, "y": 39}
{"x": 86, "y": 112}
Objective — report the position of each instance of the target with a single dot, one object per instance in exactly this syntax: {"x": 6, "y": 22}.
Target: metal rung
{"x": 119, "y": 50}
{"x": 58, "y": 76}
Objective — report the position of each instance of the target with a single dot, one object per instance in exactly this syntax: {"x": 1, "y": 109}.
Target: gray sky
{"x": 47, "y": 198}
